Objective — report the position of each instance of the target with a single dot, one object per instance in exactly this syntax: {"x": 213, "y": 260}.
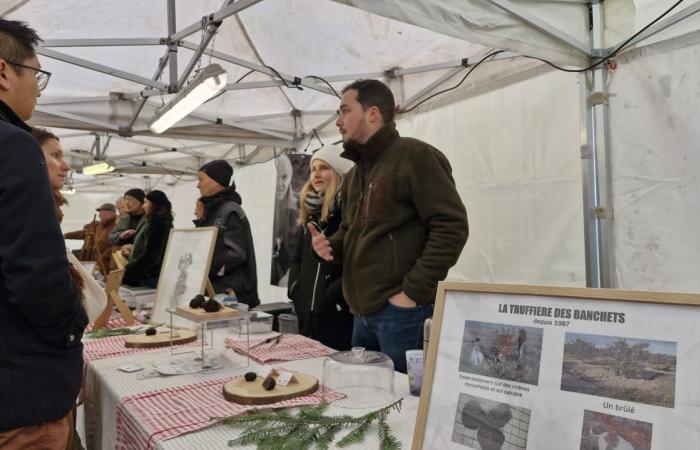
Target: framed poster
{"x": 525, "y": 367}
{"x": 185, "y": 271}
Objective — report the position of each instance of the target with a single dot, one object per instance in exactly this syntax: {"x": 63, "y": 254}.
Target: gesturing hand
{"x": 320, "y": 243}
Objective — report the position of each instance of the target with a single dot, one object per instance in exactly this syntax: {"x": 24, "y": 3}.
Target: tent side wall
{"x": 655, "y": 98}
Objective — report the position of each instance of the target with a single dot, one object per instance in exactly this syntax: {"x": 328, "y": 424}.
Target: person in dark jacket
{"x": 129, "y": 224}
{"x": 315, "y": 286}
{"x": 404, "y": 224}
{"x": 233, "y": 263}
{"x": 146, "y": 255}
{"x": 41, "y": 318}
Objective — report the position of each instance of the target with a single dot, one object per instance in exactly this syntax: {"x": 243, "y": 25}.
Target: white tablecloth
{"x": 105, "y": 386}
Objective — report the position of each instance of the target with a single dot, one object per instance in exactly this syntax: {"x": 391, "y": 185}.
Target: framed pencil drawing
{"x": 185, "y": 270}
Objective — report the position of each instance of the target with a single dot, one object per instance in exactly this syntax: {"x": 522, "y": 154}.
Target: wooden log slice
{"x": 160, "y": 340}
{"x": 198, "y": 314}
{"x": 243, "y": 392}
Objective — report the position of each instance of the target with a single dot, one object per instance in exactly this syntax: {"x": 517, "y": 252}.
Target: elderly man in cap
{"x": 128, "y": 225}
{"x": 95, "y": 236}
{"x": 233, "y": 263}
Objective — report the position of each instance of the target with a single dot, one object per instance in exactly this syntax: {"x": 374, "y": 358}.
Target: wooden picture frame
{"x": 185, "y": 271}
{"x": 517, "y": 356}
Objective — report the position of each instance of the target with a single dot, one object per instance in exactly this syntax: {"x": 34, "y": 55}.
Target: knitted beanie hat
{"x": 219, "y": 171}
{"x": 137, "y": 193}
{"x": 331, "y": 155}
{"x": 159, "y": 198}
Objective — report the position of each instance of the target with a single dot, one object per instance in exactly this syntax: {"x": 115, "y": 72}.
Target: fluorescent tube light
{"x": 97, "y": 169}
{"x": 208, "y": 82}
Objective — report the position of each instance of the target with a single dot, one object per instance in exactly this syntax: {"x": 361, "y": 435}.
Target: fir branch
{"x": 105, "y": 332}
{"x": 387, "y": 441}
{"x": 278, "y": 430}
{"x": 355, "y": 436}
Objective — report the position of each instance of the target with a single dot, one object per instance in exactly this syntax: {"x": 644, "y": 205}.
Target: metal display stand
{"x": 241, "y": 321}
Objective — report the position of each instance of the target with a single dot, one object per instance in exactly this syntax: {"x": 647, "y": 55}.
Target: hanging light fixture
{"x": 98, "y": 169}
{"x": 207, "y": 83}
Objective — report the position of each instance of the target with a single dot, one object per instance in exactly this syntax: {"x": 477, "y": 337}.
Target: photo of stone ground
{"x": 501, "y": 351}
{"x": 485, "y": 424}
{"x": 636, "y": 370}
{"x": 605, "y": 432}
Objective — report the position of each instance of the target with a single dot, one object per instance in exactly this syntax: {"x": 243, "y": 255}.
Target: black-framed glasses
{"x": 42, "y": 76}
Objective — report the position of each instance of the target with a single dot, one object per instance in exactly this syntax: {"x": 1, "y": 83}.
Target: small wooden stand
{"x": 243, "y": 392}
{"x": 179, "y": 336}
{"x": 113, "y": 281}
{"x": 198, "y": 314}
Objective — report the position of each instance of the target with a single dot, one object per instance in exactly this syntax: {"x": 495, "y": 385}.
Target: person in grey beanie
{"x": 233, "y": 263}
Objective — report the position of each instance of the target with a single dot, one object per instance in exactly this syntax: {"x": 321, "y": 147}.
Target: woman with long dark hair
{"x": 146, "y": 255}
{"x": 314, "y": 286}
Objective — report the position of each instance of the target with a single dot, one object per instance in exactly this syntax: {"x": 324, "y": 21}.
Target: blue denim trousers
{"x": 392, "y": 330}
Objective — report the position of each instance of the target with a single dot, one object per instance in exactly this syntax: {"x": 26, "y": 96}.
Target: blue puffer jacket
{"x": 41, "y": 319}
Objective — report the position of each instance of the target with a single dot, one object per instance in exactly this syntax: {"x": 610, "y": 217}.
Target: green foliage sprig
{"x": 279, "y": 430}
{"x": 106, "y": 332}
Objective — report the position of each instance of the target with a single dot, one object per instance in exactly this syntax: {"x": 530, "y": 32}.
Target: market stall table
{"x": 106, "y": 387}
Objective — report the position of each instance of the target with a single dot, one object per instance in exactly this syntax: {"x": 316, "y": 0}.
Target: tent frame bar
{"x": 542, "y": 26}
{"x": 289, "y": 79}
{"x": 665, "y": 23}
{"x": 218, "y": 16}
{"x": 109, "y": 42}
{"x": 100, "y": 68}
{"x": 596, "y": 167}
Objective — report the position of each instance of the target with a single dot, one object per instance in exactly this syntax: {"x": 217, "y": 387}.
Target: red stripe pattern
{"x": 290, "y": 348}
{"x": 147, "y": 418}
{"x": 110, "y": 347}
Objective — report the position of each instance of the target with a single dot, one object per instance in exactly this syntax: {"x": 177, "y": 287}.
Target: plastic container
{"x": 365, "y": 377}
{"x": 288, "y": 323}
{"x": 259, "y": 322}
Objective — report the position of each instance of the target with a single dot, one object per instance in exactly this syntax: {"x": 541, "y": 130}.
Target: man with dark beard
{"x": 233, "y": 262}
{"x": 404, "y": 224}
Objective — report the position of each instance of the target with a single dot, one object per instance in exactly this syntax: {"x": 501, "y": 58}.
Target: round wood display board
{"x": 160, "y": 339}
{"x": 238, "y": 390}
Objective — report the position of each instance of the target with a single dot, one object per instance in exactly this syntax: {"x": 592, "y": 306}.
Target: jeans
{"x": 392, "y": 330}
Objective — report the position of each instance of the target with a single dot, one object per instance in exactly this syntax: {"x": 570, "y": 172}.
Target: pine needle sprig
{"x": 279, "y": 430}
{"x": 106, "y": 332}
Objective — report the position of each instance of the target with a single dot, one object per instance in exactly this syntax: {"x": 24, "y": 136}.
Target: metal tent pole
{"x": 596, "y": 173}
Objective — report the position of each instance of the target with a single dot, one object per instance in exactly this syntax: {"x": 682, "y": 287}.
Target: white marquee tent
{"x": 559, "y": 171}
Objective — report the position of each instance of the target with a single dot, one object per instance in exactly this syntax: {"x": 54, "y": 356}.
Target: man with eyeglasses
{"x": 41, "y": 319}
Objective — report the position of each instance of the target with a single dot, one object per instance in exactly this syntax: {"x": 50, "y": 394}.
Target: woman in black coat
{"x": 314, "y": 286}
{"x": 146, "y": 255}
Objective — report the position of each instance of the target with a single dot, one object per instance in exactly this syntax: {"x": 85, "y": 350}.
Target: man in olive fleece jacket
{"x": 404, "y": 224}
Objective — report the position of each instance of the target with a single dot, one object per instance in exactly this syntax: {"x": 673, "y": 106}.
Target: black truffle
{"x": 269, "y": 383}
{"x": 250, "y": 376}
{"x": 211, "y": 306}
{"x": 151, "y": 332}
{"x": 197, "y": 301}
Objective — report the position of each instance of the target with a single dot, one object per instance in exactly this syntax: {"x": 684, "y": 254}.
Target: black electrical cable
{"x": 614, "y": 52}
{"x": 453, "y": 87}
{"x": 327, "y": 83}
{"x": 592, "y": 66}
{"x": 296, "y": 83}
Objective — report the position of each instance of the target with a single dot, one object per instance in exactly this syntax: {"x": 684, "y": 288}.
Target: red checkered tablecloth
{"x": 146, "y": 418}
{"x": 109, "y": 347}
{"x": 115, "y": 321}
{"x": 289, "y": 348}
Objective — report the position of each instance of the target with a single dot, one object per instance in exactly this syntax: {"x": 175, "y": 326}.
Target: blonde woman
{"x": 314, "y": 286}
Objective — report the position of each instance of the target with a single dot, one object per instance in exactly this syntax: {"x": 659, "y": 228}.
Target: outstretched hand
{"x": 320, "y": 243}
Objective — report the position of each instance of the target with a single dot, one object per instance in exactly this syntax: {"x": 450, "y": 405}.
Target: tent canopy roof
{"x": 104, "y": 57}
